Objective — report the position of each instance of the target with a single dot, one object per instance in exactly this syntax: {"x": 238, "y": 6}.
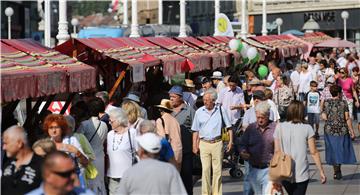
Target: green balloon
{"x": 263, "y": 71}
{"x": 240, "y": 47}
{"x": 256, "y": 59}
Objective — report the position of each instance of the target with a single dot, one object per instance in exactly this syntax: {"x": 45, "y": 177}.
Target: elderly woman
{"x": 166, "y": 152}
{"x": 120, "y": 148}
{"x": 338, "y": 132}
{"x": 133, "y": 111}
{"x": 294, "y": 137}
{"x": 56, "y": 127}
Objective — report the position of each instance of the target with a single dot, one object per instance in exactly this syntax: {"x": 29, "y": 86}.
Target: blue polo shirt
{"x": 208, "y": 122}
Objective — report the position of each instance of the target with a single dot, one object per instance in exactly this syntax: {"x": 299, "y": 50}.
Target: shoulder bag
{"x": 95, "y": 132}
{"x": 280, "y": 164}
{"x": 133, "y": 156}
{"x": 225, "y": 137}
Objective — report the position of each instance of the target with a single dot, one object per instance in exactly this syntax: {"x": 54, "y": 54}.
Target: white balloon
{"x": 234, "y": 44}
{"x": 251, "y": 53}
{"x": 244, "y": 50}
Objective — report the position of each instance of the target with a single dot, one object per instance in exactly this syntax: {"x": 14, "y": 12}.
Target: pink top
{"x": 346, "y": 85}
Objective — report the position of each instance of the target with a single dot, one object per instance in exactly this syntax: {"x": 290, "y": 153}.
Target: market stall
{"x": 197, "y": 60}
{"x": 219, "y": 57}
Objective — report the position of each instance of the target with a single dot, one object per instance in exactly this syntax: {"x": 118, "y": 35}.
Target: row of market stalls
{"x": 122, "y": 61}
{"x": 30, "y": 70}
{"x": 33, "y": 72}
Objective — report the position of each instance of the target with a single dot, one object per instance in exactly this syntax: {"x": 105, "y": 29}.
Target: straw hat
{"x": 189, "y": 83}
{"x": 165, "y": 104}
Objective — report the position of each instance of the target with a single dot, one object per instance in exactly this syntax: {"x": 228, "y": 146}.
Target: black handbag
{"x": 134, "y": 160}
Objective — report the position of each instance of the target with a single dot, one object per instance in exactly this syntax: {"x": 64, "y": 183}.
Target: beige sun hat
{"x": 165, "y": 104}
{"x": 189, "y": 83}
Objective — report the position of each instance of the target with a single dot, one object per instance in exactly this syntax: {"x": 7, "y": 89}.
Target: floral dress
{"x": 338, "y": 144}
{"x": 335, "y": 110}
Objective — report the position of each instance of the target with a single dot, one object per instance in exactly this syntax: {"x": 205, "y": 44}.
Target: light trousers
{"x": 211, "y": 155}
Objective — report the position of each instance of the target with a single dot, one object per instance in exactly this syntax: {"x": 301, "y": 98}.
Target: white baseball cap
{"x": 150, "y": 142}
{"x": 217, "y": 75}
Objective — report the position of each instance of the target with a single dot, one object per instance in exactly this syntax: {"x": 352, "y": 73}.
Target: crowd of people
{"x": 105, "y": 148}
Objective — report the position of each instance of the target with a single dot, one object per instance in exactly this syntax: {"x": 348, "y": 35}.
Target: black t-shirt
{"x": 24, "y": 180}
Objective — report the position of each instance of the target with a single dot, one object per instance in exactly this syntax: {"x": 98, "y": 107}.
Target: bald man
{"x": 22, "y": 173}
{"x": 58, "y": 173}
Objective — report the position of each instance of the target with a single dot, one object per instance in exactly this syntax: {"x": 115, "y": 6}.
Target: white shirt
{"x": 74, "y": 142}
{"x": 119, "y": 152}
{"x": 313, "y": 68}
{"x": 274, "y": 109}
{"x": 342, "y": 62}
{"x": 295, "y": 79}
{"x": 304, "y": 81}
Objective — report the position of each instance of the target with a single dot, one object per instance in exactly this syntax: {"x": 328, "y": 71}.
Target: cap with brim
{"x": 165, "y": 104}
{"x": 259, "y": 95}
{"x": 217, "y": 75}
{"x": 176, "y": 90}
{"x": 132, "y": 97}
{"x": 150, "y": 142}
{"x": 205, "y": 80}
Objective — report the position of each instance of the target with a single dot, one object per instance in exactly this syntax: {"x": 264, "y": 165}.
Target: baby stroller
{"x": 232, "y": 159}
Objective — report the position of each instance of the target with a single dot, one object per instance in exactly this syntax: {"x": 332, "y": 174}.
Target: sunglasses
{"x": 342, "y": 72}
{"x": 65, "y": 174}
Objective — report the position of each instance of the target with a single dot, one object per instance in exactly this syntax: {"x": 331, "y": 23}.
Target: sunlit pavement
{"x": 350, "y": 184}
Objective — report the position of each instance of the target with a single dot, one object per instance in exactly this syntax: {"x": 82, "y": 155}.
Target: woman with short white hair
{"x": 120, "y": 148}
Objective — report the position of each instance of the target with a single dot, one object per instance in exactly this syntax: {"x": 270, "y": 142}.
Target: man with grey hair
{"x": 207, "y": 124}
{"x": 295, "y": 79}
{"x": 22, "y": 173}
{"x": 149, "y": 175}
{"x": 257, "y": 146}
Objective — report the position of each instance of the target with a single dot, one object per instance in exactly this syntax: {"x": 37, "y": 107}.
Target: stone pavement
{"x": 349, "y": 185}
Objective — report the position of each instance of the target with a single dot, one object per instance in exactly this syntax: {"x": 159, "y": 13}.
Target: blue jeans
{"x": 258, "y": 179}
{"x": 247, "y": 186}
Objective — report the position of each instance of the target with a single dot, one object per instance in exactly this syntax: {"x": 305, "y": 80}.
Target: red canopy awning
{"x": 171, "y": 61}
{"x": 119, "y": 51}
{"x": 221, "y": 45}
{"x": 219, "y": 57}
{"x": 286, "y": 44}
{"x": 24, "y": 76}
{"x": 198, "y": 60}
{"x": 80, "y": 76}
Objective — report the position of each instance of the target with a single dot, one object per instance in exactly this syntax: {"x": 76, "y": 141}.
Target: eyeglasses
{"x": 65, "y": 174}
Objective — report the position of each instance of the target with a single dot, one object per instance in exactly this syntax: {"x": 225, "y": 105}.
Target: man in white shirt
{"x": 295, "y": 80}
{"x": 217, "y": 78}
{"x": 313, "y": 67}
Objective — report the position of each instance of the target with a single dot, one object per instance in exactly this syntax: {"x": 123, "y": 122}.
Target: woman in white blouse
{"x": 120, "y": 148}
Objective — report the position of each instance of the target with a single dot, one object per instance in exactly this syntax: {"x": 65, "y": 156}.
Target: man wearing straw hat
{"x": 169, "y": 128}
{"x": 189, "y": 95}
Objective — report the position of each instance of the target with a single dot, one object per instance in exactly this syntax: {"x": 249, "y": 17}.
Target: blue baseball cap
{"x": 176, "y": 89}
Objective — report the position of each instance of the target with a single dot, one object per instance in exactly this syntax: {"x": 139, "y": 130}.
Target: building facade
{"x": 294, "y": 13}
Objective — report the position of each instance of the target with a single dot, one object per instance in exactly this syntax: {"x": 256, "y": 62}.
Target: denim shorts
{"x": 313, "y": 118}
